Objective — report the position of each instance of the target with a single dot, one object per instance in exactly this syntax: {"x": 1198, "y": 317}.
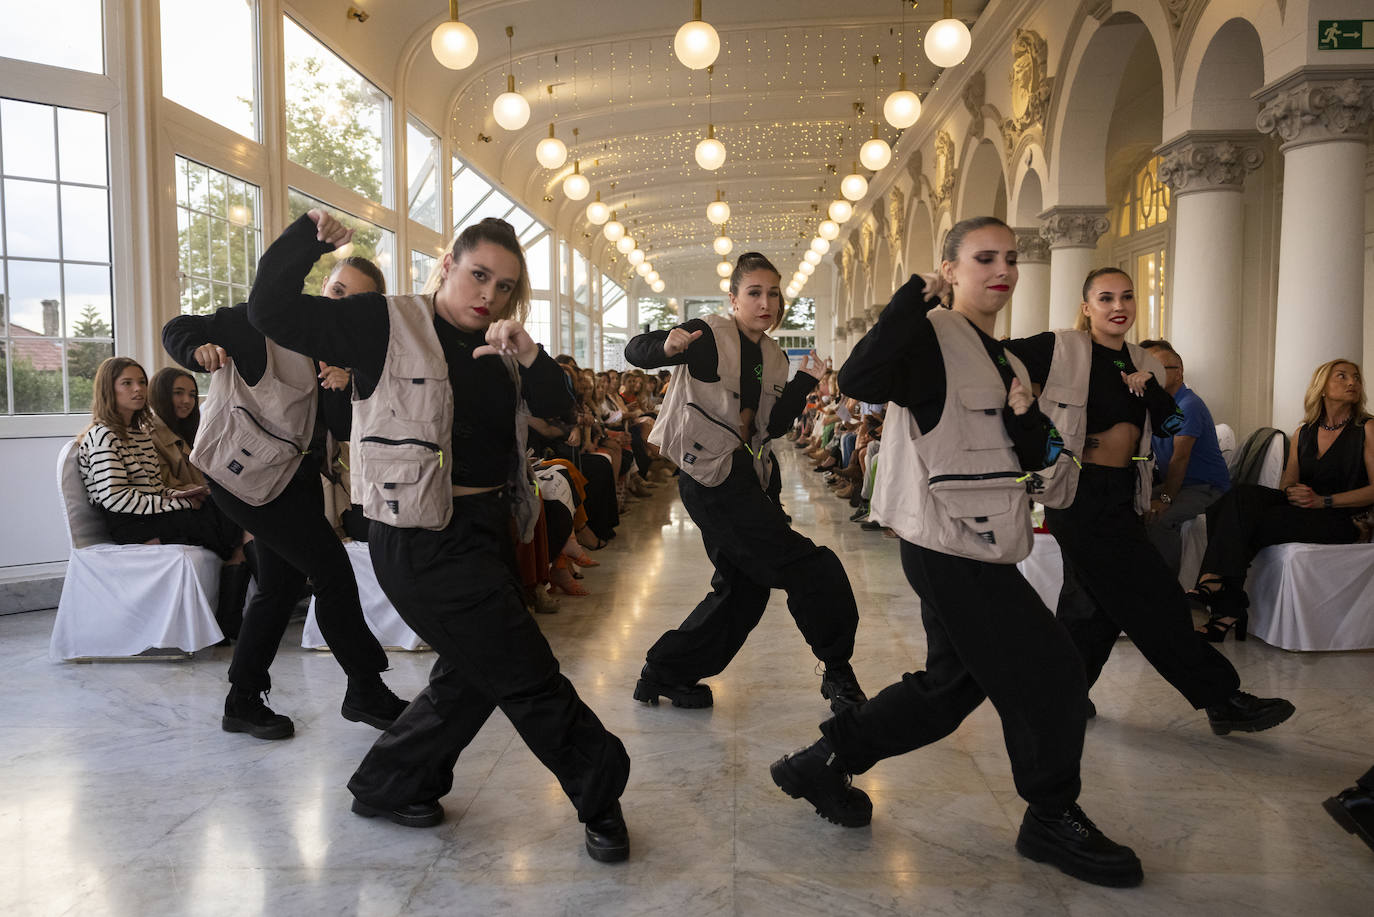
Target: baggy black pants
{"x": 754, "y": 550}
{"x": 293, "y": 540}
{"x": 1115, "y": 580}
{"x": 988, "y": 635}
{"x": 458, "y": 590}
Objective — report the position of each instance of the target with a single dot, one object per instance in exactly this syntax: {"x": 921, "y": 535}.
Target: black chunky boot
{"x": 651, "y": 687}
{"x": 1243, "y": 712}
{"x": 840, "y": 687}
{"x": 246, "y": 711}
{"x": 368, "y": 700}
{"x": 1068, "y": 840}
{"x": 814, "y": 773}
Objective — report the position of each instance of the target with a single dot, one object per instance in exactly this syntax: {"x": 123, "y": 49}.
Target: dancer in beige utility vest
{"x": 729, "y": 397}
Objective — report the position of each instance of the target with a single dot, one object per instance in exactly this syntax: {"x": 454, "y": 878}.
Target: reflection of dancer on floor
{"x": 438, "y": 378}
{"x": 961, "y": 433}
{"x": 728, "y": 398}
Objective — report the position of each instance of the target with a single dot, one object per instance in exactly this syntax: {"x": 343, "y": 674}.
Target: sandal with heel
{"x": 1217, "y": 627}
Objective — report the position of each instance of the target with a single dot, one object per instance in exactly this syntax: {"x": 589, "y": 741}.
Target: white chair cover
{"x": 1313, "y": 596}
{"x": 1043, "y": 568}
{"x": 120, "y": 600}
{"x": 381, "y": 617}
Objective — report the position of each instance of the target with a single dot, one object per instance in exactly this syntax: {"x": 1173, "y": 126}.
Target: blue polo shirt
{"x": 1205, "y": 465}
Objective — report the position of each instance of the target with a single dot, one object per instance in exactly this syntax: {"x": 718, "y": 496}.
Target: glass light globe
{"x": 696, "y": 44}
{"x": 724, "y": 269}
{"x": 576, "y": 186}
{"x": 625, "y": 245}
{"x": 820, "y": 246}
{"x": 854, "y": 186}
{"x": 718, "y": 212}
{"x": 791, "y": 292}
{"x": 551, "y": 152}
{"x": 798, "y": 279}
{"x": 902, "y": 108}
{"x": 725, "y": 286}
{"x": 840, "y": 211}
{"x": 651, "y": 277}
{"x": 643, "y": 268}
{"x": 710, "y": 153}
{"x": 635, "y": 257}
{"x": 947, "y": 43}
{"x": 510, "y": 110}
{"x": 722, "y": 245}
{"x": 454, "y": 45}
{"x": 613, "y": 231}
{"x": 658, "y": 286}
{"x": 875, "y": 154}
{"x": 811, "y": 257}
{"x": 598, "y": 212}
{"x": 806, "y": 267}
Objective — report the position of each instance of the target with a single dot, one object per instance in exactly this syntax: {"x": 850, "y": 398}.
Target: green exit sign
{"x": 1345, "y": 34}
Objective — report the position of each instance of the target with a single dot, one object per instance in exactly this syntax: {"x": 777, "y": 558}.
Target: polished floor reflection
{"x": 119, "y": 794}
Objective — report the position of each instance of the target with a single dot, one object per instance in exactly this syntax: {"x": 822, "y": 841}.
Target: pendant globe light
{"x": 651, "y": 277}
{"x": 696, "y": 43}
{"x": 903, "y": 107}
{"x": 791, "y": 292}
{"x": 806, "y": 267}
{"x": 820, "y": 246}
{"x": 454, "y": 44}
{"x": 597, "y": 212}
{"x": 722, "y": 245}
{"x": 724, "y": 269}
{"x": 551, "y": 152}
{"x": 840, "y": 211}
{"x": 614, "y": 230}
{"x": 658, "y": 286}
{"x": 718, "y": 212}
{"x": 576, "y": 186}
{"x": 875, "y": 154}
{"x": 643, "y": 268}
{"x": 625, "y": 244}
{"x": 510, "y": 109}
{"x": 948, "y": 41}
{"x": 635, "y": 257}
{"x": 710, "y": 152}
{"x": 854, "y": 186}
{"x": 828, "y": 230}
{"x": 812, "y": 257}
{"x": 725, "y": 286}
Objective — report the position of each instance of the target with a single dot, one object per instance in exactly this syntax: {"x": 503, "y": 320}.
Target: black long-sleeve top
{"x": 355, "y": 332}
{"x": 702, "y": 361}
{"x": 899, "y": 360}
{"x": 229, "y": 328}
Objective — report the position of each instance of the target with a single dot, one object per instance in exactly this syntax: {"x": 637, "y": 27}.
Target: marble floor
{"x": 119, "y": 794}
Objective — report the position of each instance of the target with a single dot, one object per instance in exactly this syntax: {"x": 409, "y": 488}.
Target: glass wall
{"x": 229, "y": 98}
{"x": 369, "y": 241}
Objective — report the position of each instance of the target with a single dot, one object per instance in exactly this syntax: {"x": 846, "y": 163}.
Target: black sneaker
{"x": 840, "y": 687}
{"x": 410, "y": 815}
{"x": 859, "y": 515}
{"x": 650, "y": 688}
{"x": 246, "y": 711}
{"x": 814, "y": 774}
{"x": 370, "y": 701}
{"x": 608, "y": 840}
{"x": 1243, "y": 712}
{"x": 1070, "y": 842}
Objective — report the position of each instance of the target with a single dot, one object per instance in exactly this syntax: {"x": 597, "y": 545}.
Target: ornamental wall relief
{"x": 946, "y": 172}
{"x": 1031, "y": 87}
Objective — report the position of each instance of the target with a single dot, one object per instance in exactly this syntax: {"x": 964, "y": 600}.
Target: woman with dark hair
{"x": 175, "y": 401}
{"x": 1106, "y": 398}
{"x": 1325, "y": 486}
{"x": 438, "y": 378}
{"x": 728, "y": 399}
{"x": 261, "y": 447}
{"x": 962, "y": 433}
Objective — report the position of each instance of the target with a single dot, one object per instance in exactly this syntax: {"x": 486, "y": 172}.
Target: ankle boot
{"x": 814, "y": 773}
{"x": 247, "y": 711}
{"x": 368, "y": 700}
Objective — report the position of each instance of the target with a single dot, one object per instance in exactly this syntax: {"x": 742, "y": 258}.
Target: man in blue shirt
{"x": 1190, "y": 471}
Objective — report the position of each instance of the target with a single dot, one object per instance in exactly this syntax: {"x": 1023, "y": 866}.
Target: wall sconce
{"x": 360, "y": 15}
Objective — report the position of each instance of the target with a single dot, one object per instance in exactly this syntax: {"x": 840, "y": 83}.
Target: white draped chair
{"x": 382, "y": 618}
{"x": 127, "y": 600}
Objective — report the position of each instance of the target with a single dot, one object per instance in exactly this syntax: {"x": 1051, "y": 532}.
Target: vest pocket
{"x": 988, "y": 514}
{"x": 250, "y": 462}
{"x": 980, "y": 419}
{"x": 423, "y": 383}
{"x": 1065, "y": 406}
{"x": 406, "y": 485}
{"x": 707, "y": 446}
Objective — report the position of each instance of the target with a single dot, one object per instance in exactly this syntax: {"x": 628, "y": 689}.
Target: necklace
{"x": 1333, "y": 428}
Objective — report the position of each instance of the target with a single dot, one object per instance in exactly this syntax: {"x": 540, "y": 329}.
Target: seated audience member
{"x": 175, "y": 401}
{"x": 1190, "y": 471}
{"x": 118, "y": 464}
{"x": 1324, "y": 488}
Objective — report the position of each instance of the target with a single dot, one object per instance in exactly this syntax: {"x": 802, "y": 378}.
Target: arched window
{"x": 1141, "y": 247}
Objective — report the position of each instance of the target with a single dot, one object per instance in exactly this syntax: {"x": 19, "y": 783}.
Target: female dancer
{"x": 438, "y": 378}
{"x": 1324, "y": 486}
{"x": 724, "y": 406}
{"x": 1105, "y": 396}
{"x": 960, "y": 430}
{"x": 260, "y": 447}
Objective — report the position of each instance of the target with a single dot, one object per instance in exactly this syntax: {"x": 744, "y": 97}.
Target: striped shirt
{"x": 122, "y": 474}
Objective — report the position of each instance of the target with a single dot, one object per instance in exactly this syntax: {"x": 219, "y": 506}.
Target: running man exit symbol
{"x": 1345, "y": 34}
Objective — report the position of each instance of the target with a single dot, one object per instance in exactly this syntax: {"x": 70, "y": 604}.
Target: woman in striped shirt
{"x": 118, "y": 464}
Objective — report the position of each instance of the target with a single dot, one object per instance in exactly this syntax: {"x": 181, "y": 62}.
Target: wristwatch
{"x": 1165, "y": 498}
{"x": 1326, "y": 502}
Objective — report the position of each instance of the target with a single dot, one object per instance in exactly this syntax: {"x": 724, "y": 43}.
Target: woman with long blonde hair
{"x": 1326, "y": 484}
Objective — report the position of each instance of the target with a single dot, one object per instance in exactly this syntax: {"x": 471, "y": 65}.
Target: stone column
{"x": 1322, "y": 115}
{"x": 1072, "y": 233}
{"x": 1206, "y": 171}
{"x": 1030, "y": 302}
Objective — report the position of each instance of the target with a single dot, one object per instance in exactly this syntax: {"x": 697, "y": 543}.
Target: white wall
{"x": 33, "y": 532}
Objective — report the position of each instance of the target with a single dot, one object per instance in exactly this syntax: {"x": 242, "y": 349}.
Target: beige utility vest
{"x": 1064, "y": 400}
{"x": 698, "y": 424}
{"x": 958, "y": 488}
{"x": 401, "y": 431}
{"x": 252, "y": 437}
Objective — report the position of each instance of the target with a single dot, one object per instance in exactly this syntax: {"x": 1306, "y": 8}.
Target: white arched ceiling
{"x": 1231, "y": 69}
{"x": 1030, "y": 200}
{"x": 1136, "y": 124}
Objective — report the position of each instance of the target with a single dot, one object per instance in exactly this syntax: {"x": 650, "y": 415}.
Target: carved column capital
{"x": 1208, "y": 161}
{"x": 1031, "y": 246}
{"x": 1317, "y": 104}
{"x": 858, "y": 324}
{"x": 1074, "y": 227}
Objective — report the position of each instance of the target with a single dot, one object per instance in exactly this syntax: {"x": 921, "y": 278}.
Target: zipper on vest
{"x": 249, "y": 414}
{"x": 406, "y": 442}
{"x": 989, "y": 476}
{"x": 720, "y": 423}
